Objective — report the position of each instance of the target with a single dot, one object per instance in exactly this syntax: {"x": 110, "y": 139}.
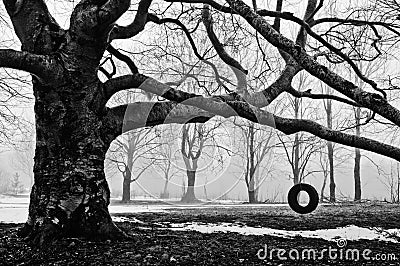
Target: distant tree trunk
{"x": 357, "y": 175}
{"x": 252, "y": 192}
{"x": 332, "y": 185}
{"x": 251, "y": 182}
{"x": 252, "y": 196}
{"x": 205, "y": 188}
{"x": 323, "y": 188}
{"x": 189, "y": 196}
{"x": 126, "y": 189}
{"x": 165, "y": 194}
{"x": 357, "y": 160}
{"x": 398, "y": 182}
{"x": 296, "y": 160}
{"x": 127, "y": 174}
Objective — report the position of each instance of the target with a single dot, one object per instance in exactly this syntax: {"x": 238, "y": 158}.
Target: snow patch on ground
{"x": 350, "y": 232}
{"x": 119, "y": 219}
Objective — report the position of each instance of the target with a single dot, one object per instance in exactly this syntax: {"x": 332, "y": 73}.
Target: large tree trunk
{"x": 70, "y": 194}
{"x": 189, "y": 196}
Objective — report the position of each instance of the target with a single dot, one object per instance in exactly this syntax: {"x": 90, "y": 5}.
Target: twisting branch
{"x": 120, "y": 32}
{"x": 236, "y": 67}
{"x": 104, "y": 71}
{"x": 277, "y": 27}
{"x": 308, "y": 94}
{"x": 123, "y": 58}
{"x": 153, "y": 18}
{"x": 43, "y": 67}
{"x": 218, "y": 46}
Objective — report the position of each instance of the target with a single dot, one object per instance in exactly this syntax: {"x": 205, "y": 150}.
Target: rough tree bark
{"x": 70, "y": 194}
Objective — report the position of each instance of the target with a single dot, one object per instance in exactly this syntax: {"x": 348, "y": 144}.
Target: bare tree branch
{"x": 44, "y": 67}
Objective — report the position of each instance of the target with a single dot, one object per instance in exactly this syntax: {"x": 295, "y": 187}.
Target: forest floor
{"x": 158, "y": 240}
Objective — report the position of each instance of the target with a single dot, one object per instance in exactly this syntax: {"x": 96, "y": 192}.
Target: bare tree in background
{"x": 25, "y": 152}
{"x": 300, "y": 150}
{"x": 256, "y": 151}
{"x": 165, "y": 156}
{"x": 392, "y": 182}
{"x": 199, "y": 148}
{"x": 4, "y": 182}
{"x": 329, "y": 145}
{"x": 16, "y": 184}
{"x": 131, "y": 154}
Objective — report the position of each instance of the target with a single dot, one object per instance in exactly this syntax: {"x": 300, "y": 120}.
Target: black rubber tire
{"x": 312, "y": 194}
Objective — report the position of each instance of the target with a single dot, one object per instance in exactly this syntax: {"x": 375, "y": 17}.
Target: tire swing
{"x": 293, "y": 198}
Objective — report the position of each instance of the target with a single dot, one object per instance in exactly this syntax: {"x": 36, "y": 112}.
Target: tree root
{"x": 44, "y": 235}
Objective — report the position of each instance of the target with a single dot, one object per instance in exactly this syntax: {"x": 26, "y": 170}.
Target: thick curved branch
{"x": 258, "y": 99}
{"x": 112, "y": 10}
{"x": 189, "y": 107}
{"x": 41, "y": 66}
{"x": 93, "y": 21}
{"x": 236, "y": 67}
{"x": 120, "y": 32}
{"x": 123, "y": 58}
{"x": 133, "y": 116}
{"x": 308, "y": 16}
{"x": 218, "y": 46}
{"x": 371, "y": 101}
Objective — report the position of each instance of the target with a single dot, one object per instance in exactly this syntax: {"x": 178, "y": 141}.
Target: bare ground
{"x": 152, "y": 244}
